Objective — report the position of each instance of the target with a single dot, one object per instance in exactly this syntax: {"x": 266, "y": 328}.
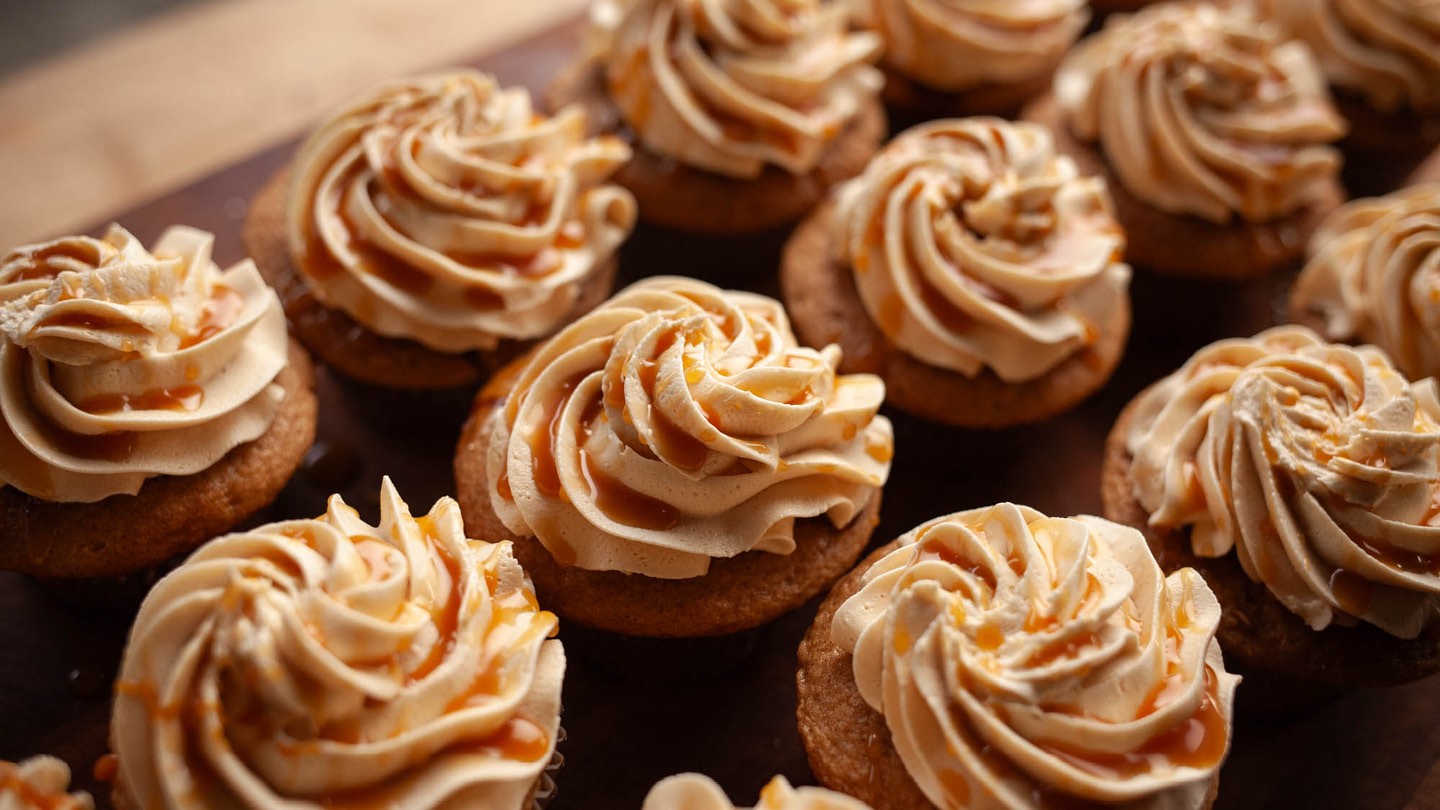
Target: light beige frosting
{"x": 118, "y": 363}
{"x": 1374, "y": 274}
{"x": 1386, "y": 50}
{"x": 975, "y": 246}
{"x": 330, "y": 663}
{"x": 733, "y": 86}
{"x": 445, "y": 210}
{"x": 692, "y": 791}
{"x": 955, "y": 45}
{"x": 1018, "y": 658}
{"x": 679, "y": 423}
{"x": 1204, "y": 111}
{"x": 39, "y": 783}
{"x": 1316, "y": 463}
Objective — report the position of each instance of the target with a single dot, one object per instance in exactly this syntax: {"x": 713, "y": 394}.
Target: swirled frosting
{"x": 330, "y": 663}
{"x": 443, "y": 209}
{"x": 1374, "y": 274}
{"x": 1204, "y": 111}
{"x": 1386, "y": 50}
{"x": 692, "y": 791}
{"x": 1016, "y": 656}
{"x": 678, "y": 423}
{"x": 1316, "y": 463}
{"x": 733, "y": 86}
{"x": 975, "y": 246}
{"x": 955, "y": 45}
{"x": 118, "y": 364}
{"x": 39, "y": 783}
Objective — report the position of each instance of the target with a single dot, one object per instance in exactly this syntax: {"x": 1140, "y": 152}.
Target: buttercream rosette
{"x": 1315, "y": 463}
{"x": 734, "y": 86}
{"x": 331, "y": 663}
{"x": 118, "y": 364}
{"x": 443, "y": 209}
{"x": 1018, "y": 658}
{"x": 1374, "y": 275}
{"x": 679, "y": 423}
{"x": 975, "y": 246}
{"x": 692, "y": 791}
{"x": 1204, "y": 111}
{"x": 39, "y": 783}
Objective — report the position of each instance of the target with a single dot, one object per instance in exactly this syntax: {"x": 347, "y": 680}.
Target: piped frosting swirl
{"x": 445, "y": 210}
{"x": 1316, "y": 463}
{"x": 1204, "y": 111}
{"x": 733, "y": 86}
{"x": 975, "y": 246}
{"x": 118, "y": 364}
{"x": 39, "y": 783}
{"x": 692, "y": 791}
{"x": 330, "y": 663}
{"x": 678, "y": 423}
{"x": 1014, "y": 655}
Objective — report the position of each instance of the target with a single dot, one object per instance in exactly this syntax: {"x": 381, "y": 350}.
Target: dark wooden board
{"x": 1372, "y": 749}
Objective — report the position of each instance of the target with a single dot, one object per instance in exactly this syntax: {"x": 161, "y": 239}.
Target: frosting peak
{"x": 975, "y": 246}
{"x": 1011, "y": 653}
{"x": 118, "y": 363}
{"x": 39, "y": 783}
{"x": 445, "y": 210}
{"x": 692, "y": 791}
{"x": 328, "y": 662}
{"x": 678, "y": 423}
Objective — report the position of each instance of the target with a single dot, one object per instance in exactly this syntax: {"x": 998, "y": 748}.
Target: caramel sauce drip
{"x": 179, "y": 399}
{"x": 106, "y": 768}
{"x": 939, "y": 551}
{"x": 624, "y": 505}
{"x": 222, "y": 310}
{"x": 1352, "y": 591}
{"x": 446, "y": 617}
{"x": 40, "y": 260}
{"x": 542, "y": 443}
{"x": 1410, "y": 562}
{"x": 116, "y": 446}
{"x": 13, "y": 784}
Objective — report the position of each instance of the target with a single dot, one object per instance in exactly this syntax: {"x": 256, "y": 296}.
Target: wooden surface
{"x": 1374, "y": 749}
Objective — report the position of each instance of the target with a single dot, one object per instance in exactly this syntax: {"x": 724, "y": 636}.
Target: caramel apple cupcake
{"x": 431, "y": 230}
{"x": 969, "y": 57}
{"x": 742, "y": 113}
{"x": 692, "y": 791}
{"x": 675, "y": 464}
{"x": 1212, "y": 131}
{"x": 1299, "y": 477}
{"x": 148, "y": 402}
{"x": 331, "y": 663}
{"x": 1001, "y": 658}
{"x": 1374, "y": 276}
{"x": 39, "y": 783}
{"x": 970, "y": 267}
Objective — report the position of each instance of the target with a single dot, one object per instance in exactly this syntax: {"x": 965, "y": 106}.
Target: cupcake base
{"x": 1190, "y": 246}
{"x": 825, "y": 307}
{"x": 674, "y": 195}
{"x": 171, "y": 515}
{"x": 1257, "y": 632}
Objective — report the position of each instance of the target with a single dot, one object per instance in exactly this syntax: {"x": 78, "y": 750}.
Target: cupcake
{"x": 741, "y": 113}
{"x": 970, "y": 57}
{"x": 39, "y": 783}
{"x": 973, "y": 269}
{"x": 1383, "y": 58}
{"x": 692, "y": 791}
{"x": 1001, "y": 658}
{"x": 1374, "y": 276}
{"x": 1299, "y": 478}
{"x": 1212, "y": 130}
{"x": 148, "y": 401}
{"x": 331, "y": 663}
{"x": 431, "y": 230}
{"x": 674, "y": 464}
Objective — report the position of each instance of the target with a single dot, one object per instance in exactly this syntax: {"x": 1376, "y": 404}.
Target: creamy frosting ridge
{"x": 955, "y": 45}
{"x": 332, "y": 663}
{"x": 445, "y": 210}
{"x": 1316, "y": 463}
{"x": 692, "y": 791}
{"x": 975, "y": 246}
{"x": 1374, "y": 274}
{"x": 1204, "y": 111}
{"x": 731, "y": 86}
{"x": 118, "y": 363}
{"x": 39, "y": 783}
{"x": 1018, "y": 658}
{"x": 678, "y": 423}
{"x": 1386, "y": 50}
